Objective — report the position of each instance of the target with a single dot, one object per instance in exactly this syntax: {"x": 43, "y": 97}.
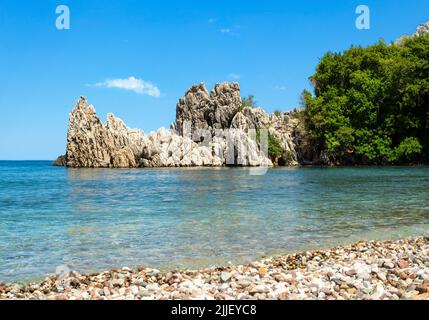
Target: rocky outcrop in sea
{"x": 211, "y": 129}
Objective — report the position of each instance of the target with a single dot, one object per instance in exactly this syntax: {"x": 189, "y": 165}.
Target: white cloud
{"x": 234, "y": 76}
{"x": 282, "y": 88}
{"x": 212, "y": 20}
{"x": 229, "y": 32}
{"x": 132, "y": 84}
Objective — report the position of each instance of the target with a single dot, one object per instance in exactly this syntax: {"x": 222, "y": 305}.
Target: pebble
{"x": 388, "y": 265}
{"x": 225, "y": 276}
{"x": 244, "y": 283}
{"x": 260, "y": 288}
{"x": 366, "y": 270}
{"x": 402, "y": 264}
{"x": 152, "y": 287}
{"x": 117, "y": 282}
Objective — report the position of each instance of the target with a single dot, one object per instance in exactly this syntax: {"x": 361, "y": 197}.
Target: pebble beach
{"x": 367, "y": 270}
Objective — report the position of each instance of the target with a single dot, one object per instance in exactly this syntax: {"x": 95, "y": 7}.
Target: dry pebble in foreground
{"x": 388, "y": 270}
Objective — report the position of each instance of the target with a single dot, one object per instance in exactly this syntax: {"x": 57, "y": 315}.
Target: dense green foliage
{"x": 371, "y": 105}
{"x": 275, "y": 149}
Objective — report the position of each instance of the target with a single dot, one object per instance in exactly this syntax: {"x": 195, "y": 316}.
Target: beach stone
{"x": 134, "y": 289}
{"x": 225, "y": 276}
{"x": 388, "y": 265}
{"x": 338, "y": 278}
{"x": 381, "y": 276}
{"x": 402, "y": 264}
{"x": 144, "y": 293}
{"x": 186, "y": 284}
{"x": 85, "y": 296}
{"x": 337, "y": 281}
{"x": 260, "y": 288}
{"x": 244, "y": 283}
{"x": 351, "y": 272}
{"x": 139, "y": 282}
{"x": 403, "y": 275}
{"x": 106, "y": 291}
{"x": 422, "y": 289}
{"x": 117, "y": 282}
{"x": 152, "y": 287}
{"x": 363, "y": 275}
{"x": 279, "y": 278}
{"x": 378, "y": 294}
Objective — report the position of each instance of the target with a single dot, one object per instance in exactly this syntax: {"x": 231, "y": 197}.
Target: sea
{"x": 91, "y": 220}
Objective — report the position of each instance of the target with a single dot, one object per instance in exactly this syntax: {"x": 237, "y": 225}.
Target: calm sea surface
{"x": 97, "y": 219}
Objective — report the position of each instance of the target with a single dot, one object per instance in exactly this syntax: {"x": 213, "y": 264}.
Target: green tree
{"x": 275, "y": 150}
{"x": 248, "y": 101}
{"x": 371, "y": 105}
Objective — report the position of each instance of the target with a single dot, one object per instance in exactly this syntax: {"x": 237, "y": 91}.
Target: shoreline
{"x": 366, "y": 270}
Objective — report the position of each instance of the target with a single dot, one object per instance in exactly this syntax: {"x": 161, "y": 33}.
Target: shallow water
{"x": 97, "y": 219}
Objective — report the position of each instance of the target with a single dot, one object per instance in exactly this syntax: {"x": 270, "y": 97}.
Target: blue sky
{"x": 270, "y": 47}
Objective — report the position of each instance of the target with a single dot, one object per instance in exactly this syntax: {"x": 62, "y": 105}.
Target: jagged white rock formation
{"x": 284, "y": 126}
{"x": 92, "y": 144}
{"x": 211, "y": 129}
{"x": 203, "y": 110}
{"x": 422, "y": 29}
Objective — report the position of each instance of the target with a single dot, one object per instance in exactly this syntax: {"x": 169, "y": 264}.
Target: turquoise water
{"x": 97, "y": 219}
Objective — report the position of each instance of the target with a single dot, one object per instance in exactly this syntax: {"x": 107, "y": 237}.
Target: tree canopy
{"x": 371, "y": 105}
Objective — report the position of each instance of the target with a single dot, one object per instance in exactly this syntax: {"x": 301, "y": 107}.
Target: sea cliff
{"x": 211, "y": 129}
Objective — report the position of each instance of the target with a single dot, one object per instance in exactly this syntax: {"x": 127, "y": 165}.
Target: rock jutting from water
{"x": 374, "y": 270}
{"x": 211, "y": 129}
